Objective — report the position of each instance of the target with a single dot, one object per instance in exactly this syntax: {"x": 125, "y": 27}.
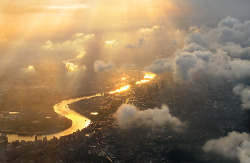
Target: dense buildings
{"x": 3, "y": 147}
{"x": 207, "y": 110}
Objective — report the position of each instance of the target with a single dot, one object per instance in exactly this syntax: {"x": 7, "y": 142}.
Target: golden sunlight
{"x": 142, "y": 81}
{"x": 149, "y": 76}
{"x": 71, "y": 66}
{"x": 110, "y": 42}
{"x": 94, "y": 113}
{"x": 124, "y": 88}
{"x": 31, "y": 68}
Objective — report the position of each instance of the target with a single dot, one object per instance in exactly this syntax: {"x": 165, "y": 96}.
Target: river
{"x": 79, "y": 122}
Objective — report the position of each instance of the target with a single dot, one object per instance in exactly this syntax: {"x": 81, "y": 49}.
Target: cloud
{"x": 160, "y": 65}
{"x": 48, "y": 45}
{"x": 190, "y": 66}
{"x": 236, "y": 51}
{"x": 244, "y": 92}
{"x": 155, "y": 28}
{"x": 183, "y": 64}
{"x": 196, "y": 38}
{"x": 222, "y": 52}
{"x": 29, "y": 69}
{"x": 212, "y": 54}
{"x": 71, "y": 66}
{"x": 112, "y": 43}
{"x": 75, "y": 44}
{"x": 81, "y": 55}
{"x": 193, "y": 29}
{"x": 138, "y": 45}
{"x": 228, "y": 30}
{"x": 192, "y": 47}
{"x": 238, "y": 89}
{"x": 77, "y": 57}
{"x": 234, "y": 146}
{"x": 228, "y": 22}
{"x": 101, "y": 66}
{"x": 128, "y": 116}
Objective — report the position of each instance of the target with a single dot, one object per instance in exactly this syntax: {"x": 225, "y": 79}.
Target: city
{"x": 100, "y": 141}
{"x": 133, "y": 81}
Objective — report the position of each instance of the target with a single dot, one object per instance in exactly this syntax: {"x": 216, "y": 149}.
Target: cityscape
{"x": 125, "y": 81}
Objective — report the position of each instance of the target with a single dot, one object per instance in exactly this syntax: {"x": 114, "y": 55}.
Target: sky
{"x": 43, "y": 19}
{"x": 59, "y": 42}
{"x": 53, "y": 41}
{"x": 26, "y": 25}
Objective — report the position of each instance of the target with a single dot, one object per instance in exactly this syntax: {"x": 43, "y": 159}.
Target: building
{"x": 2, "y": 151}
{"x": 3, "y": 146}
{"x": 4, "y": 137}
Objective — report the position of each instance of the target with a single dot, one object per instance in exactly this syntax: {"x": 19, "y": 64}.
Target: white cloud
{"x": 234, "y": 145}
{"x": 189, "y": 66}
{"x": 71, "y": 66}
{"x": 153, "y": 29}
{"x": 244, "y": 92}
{"x": 112, "y": 43}
{"x": 238, "y": 89}
{"x": 128, "y": 116}
{"x": 74, "y": 44}
{"x": 220, "y": 52}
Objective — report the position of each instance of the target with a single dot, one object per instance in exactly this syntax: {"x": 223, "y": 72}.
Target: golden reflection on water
{"x": 78, "y": 121}
{"x": 122, "y": 89}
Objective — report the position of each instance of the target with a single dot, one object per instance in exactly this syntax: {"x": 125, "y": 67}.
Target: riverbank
{"x": 78, "y": 121}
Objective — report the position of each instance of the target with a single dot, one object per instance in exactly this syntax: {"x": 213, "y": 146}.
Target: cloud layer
{"x": 160, "y": 66}
{"x": 128, "y": 116}
{"x": 244, "y": 92}
{"x": 101, "y": 66}
{"x": 75, "y": 43}
{"x": 220, "y": 52}
{"x": 234, "y": 146}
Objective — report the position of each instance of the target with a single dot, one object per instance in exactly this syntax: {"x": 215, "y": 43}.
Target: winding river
{"x": 79, "y": 122}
